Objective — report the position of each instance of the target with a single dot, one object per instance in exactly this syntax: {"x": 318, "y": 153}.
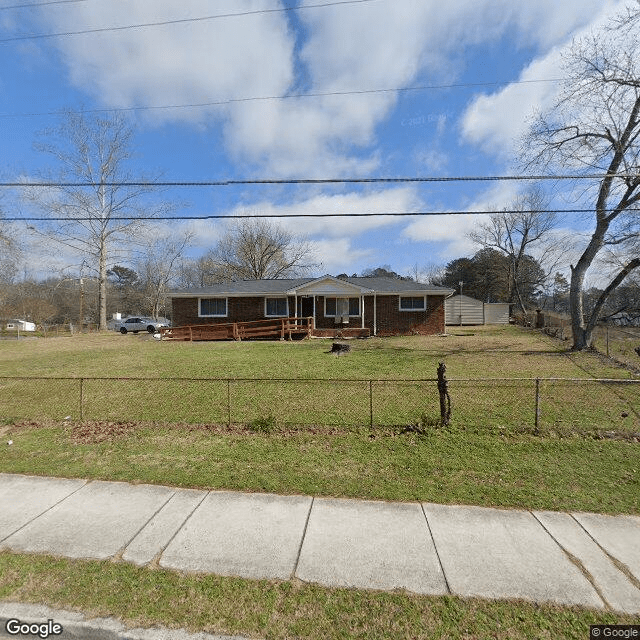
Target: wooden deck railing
{"x": 277, "y": 328}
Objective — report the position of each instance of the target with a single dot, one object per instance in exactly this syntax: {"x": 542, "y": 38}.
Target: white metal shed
{"x": 496, "y": 313}
{"x": 461, "y": 309}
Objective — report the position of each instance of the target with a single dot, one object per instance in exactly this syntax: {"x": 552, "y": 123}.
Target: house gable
{"x": 329, "y": 286}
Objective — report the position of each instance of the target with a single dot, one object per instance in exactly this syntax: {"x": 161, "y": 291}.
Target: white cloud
{"x": 497, "y": 121}
{"x": 451, "y": 231}
{"x": 338, "y": 255}
{"x": 347, "y": 47}
{"x": 399, "y": 199}
{"x": 333, "y": 240}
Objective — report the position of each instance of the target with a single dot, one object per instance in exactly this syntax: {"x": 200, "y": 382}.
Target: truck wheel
{"x": 123, "y": 330}
{"x": 151, "y": 329}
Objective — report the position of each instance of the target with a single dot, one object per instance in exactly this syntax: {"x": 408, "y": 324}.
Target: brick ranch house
{"x": 356, "y": 306}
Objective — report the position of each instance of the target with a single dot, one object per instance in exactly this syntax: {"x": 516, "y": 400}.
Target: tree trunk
{"x": 580, "y": 339}
{"x": 581, "y": 330}
{"x": 102, "y": 286}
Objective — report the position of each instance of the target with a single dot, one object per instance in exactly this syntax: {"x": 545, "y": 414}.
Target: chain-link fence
{"x": 49, "y": 331}
{"x": 620, "y": 343}
{"x": 560, "y": 404}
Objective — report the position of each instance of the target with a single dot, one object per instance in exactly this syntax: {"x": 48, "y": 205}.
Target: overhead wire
{"x": 144, "y": 25}
{"x": 30, "y": 5}
{"x": 283, "y": 181}
{"x": 285, "y": 96}
{"x": 236, "y": 216}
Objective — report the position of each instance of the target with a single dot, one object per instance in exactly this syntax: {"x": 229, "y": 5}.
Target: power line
{"x": 369, "y": 214}
{"x": 143, "y": 25}
{"x": 286, "y": 96}
{"x": 277, "y": 181}
{"x": 39, "y": 4}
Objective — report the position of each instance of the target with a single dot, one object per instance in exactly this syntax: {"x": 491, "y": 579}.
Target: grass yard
{"x": 585, "y": 455}
{"x": 279, "y": 438}
{"x": 326, "y": 390}
{"x": 280, "y": 610}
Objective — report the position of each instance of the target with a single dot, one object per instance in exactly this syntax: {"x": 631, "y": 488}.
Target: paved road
{"x": 568, "y": 558}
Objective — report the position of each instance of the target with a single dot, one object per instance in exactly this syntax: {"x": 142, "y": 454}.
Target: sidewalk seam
{"x": 435, "y": 547}
{"x": 118, "y": 554}
{"x": 156, "y": 560}
{"x": 86, "y": 482}
{"x": 578, "y": 563}
{"x": 304, "y": 535}
{"x": 618, "y": 564}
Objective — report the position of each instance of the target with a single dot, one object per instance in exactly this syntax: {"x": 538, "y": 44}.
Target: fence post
{"x": 81, "y": 399}
{"x": 607, "y": 329}
{"x": 445, "y": 400}
{"x": 537, "y": 406}
{"x": 229, "y": 403}
{"x": 371, "y": 403}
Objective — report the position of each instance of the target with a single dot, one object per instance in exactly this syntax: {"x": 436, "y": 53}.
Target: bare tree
{"x": 92, "y": 220}
{"x": 158, "y": 267}
{"x": 525, "y": 228}
{"x": 594, "y": 128}
{"x": 629, "y": 18}
{"x": 257, "y": 249}
{"x": 431, "y": 273}
{"x": 10, "y": 251}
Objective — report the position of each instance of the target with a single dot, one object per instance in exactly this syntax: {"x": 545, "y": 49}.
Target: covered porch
{"x": 337, "y": 307}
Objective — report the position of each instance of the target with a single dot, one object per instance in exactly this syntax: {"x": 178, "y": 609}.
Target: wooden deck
{"x": 279, "y": 328}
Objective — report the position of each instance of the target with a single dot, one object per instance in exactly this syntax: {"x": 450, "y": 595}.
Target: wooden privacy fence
{"x": 276, "y": 328}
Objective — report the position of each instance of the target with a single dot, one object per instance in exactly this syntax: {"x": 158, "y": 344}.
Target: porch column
{"x": 362, "y": 309}
{"x": 375, "y": 315}
{"x": 295, "y": 315}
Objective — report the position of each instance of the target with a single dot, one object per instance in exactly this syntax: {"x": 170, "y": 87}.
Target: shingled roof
{"x": 290, "y": 285}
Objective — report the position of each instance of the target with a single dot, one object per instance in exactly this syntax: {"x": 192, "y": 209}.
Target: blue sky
{"x": 372, "y": 44}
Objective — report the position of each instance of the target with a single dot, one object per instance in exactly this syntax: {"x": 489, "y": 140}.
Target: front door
{"x": 305, "y": 307}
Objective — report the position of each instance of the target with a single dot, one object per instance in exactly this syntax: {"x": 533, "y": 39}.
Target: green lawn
{"x": 314, "y": 437}
{"x": 279, "y": 610}
{"x": 325, "y": 390}
{"x": 455, "y": 466}
{"x": 585, "y": 455}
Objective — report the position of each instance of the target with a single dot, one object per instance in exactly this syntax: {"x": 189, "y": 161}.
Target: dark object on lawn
{"x": 339, "y": 348}
{"x": 445, "y": 400}
{"x": 637, "y": 350}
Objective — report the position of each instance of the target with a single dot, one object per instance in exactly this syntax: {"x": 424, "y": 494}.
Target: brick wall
{"x": 185, "y": 311}
{"x": 390, "y": 320}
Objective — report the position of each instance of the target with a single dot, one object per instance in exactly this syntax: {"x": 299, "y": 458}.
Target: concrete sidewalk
{"x": 567, "y": 558}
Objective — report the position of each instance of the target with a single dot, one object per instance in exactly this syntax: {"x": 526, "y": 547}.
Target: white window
{"x": 341, "y": 307}
{"x": 212, "y": 307}
{"x": 413, "y": 303}
{"x": 276, "y": 307}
